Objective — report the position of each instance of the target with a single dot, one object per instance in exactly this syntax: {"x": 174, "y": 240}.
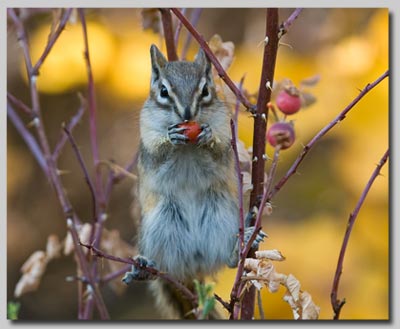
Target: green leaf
{"x": 13, "y": 310}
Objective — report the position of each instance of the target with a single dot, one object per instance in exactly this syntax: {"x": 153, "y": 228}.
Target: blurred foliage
{"x": 310, "y": 212}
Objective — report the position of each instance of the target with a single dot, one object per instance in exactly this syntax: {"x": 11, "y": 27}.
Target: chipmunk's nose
{"x": 187, "y": 115}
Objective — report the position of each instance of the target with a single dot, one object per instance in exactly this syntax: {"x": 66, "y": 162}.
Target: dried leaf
{"x": 222, "y": 50}
{"x": 251, "y": 264}
{"x": 38, "y": 256}
{"x": 84, "y": 232}
{"x": 310, "y": 311}
{"x": 270, "y": 254}
{"x": 307, "y": 99}
{"x": 293, "y": 286}
{"x": 244, "y": 156}
{"x": 151, "y": 19}
{"x": 53, "y": 247}
{"x": 33, "y": 270}
{"x": 310, "y": 81}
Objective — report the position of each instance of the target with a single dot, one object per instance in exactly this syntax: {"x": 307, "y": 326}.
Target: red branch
{"x": 337, "y": 304}
{"x": 260, "y": 127}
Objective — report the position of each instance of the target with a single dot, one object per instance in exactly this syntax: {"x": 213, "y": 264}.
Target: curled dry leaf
{"x": 33, "y": 270}
{"x": 53, "y": 247}
{"x": 262, "y": 272}
{"x": 273, "y": 254}
{"x": 84, "y": 232}
{"x": 293, "y": 286}
{"x": 222, "y": 50}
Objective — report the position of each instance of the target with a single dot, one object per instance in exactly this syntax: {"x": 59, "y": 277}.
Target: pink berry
{"x": 281, "y": 133}
{"x": 288, "y": 101}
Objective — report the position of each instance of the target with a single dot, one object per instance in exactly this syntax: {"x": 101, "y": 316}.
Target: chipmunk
{"x": 187, "y": 191}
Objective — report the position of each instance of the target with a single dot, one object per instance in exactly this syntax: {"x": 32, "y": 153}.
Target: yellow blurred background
{"x": 347, "y": 48}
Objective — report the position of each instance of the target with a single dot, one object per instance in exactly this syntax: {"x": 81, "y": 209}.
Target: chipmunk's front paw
{"x": 248, "y": 232}
{"x": 206, "y": 135}
{"x": 176, "y": 135}
{"x": 139, "y": 272}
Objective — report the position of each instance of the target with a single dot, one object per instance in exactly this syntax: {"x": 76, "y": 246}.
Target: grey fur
{"x": 188, "y": 192}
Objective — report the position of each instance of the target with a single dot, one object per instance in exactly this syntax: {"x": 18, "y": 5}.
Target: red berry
{"x": 192, "y": 130}
{"x": 281, "y": 133}
{"x": 288, "y": 101}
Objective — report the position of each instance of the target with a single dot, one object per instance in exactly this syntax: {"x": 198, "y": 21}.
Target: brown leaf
{"x": 33, "y": 270}
{"x": 222, "y": 50}
{"x": 273, "y": 254}
{"x": 53, "y": 247}
{"x": 151, "y": 20}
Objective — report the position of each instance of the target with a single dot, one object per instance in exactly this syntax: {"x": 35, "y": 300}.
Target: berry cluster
{"x": 288, "y": 101}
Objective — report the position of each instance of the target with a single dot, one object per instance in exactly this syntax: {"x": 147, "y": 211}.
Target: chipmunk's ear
{"x": 202, "y": 59}
{"x": 158, "y": 62}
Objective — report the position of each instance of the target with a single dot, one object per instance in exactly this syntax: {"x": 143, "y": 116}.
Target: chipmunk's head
{"x": 183, "y": 88}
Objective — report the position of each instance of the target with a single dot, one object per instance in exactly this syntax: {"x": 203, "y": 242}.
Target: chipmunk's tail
{"x": 173, "y": 305}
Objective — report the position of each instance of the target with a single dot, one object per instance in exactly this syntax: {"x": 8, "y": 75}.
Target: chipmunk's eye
{"x": 205, "y": 92}
{"x": 164, "y": 92}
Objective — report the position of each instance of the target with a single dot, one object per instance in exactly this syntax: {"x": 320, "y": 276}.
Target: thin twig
{"x": 84, "y": 169}
{"x": 28, "y": 137}
{"x": 194, "y": 19}
{"x": 166, "y": 19}
{"x": 323, "y": 131}
{"x": 179, "y": 28}
{"x": 221, "y": 72}
{"x": 272, "y": 169}
{"x": 70, "y": 126}
{"x": 181, "y": 287}
{"x": 115, "y": 274}
{"x": 223, "y": 303}
{"x": 51, "y": 41}
{"x": 20, "y": 104}
{"x": 22, "y": 39}
{"x": 116, "y": 178}
{"x": 92, "y": 115}
{"x": 286, "y": 24}
{"x": 239, "y": 185}
{"x": 237, "y": 105}
{"x": 338, "y": 304}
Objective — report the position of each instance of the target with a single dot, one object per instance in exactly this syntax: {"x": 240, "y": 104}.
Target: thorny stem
{"x": 168, "y": 34}
{"x": 323, "y": 131}
{"x": 338, "y": 304}
{"x": 260, "y": 127}
{"x": 221, "y": 72}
